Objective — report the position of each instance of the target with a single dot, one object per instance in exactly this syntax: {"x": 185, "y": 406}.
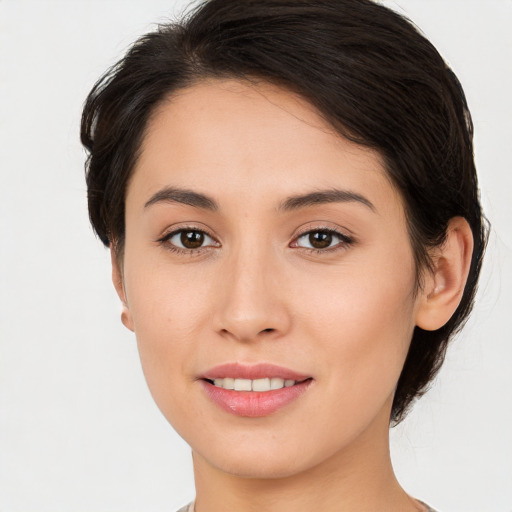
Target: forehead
{"x": 227, "y": 136}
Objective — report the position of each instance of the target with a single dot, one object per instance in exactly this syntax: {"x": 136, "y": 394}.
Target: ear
{"x": 444, "y": 286}
{"x": 117, "y": 279}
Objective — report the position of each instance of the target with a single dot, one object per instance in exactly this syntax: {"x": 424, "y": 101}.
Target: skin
{"x": 256, "y": 293}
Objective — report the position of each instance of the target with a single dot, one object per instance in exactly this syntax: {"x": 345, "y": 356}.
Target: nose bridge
{"x": 251, "y": 302}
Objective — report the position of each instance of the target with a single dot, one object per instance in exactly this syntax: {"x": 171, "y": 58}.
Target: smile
{"x": 253, "y": 390}
{"x": 260, "y": 385}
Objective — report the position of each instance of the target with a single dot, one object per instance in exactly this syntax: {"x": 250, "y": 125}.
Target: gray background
{"x": 78, "y": 428}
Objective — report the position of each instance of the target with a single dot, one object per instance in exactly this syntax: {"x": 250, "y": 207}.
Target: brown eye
{"x": 190, "y": 239}
{"x": 322, "y": 239}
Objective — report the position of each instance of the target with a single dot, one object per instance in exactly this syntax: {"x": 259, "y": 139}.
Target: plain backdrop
{"x": 78, "y": 429}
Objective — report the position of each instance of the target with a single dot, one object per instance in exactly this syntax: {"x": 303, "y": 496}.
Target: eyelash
{"x": 165, "y": 241}
{"x": 344, "y": 241}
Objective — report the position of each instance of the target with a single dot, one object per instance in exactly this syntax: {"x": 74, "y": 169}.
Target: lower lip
{"x": 254, "y": 404}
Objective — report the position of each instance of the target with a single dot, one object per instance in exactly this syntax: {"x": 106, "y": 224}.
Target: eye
{"x": 321, "y": 239}
{"x": 189, "y": 239}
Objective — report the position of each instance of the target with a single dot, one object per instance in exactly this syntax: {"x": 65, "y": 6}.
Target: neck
{"x": 358, "y": 477}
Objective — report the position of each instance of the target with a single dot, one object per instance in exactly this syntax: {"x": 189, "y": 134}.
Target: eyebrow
{"x": 325, "y": 196}
{"x": 198, "y": 200}
{"x": 183, "y": 196}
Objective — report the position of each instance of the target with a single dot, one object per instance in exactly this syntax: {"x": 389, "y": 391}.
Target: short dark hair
{"x": 367, "y": 70}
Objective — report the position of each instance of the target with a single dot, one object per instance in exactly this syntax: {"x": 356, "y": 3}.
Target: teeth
{"x": 261, "y": 385}
{"x": 276, "y": 383}
{"x": 243, "y": 385}
{"x": 228, "y": 383}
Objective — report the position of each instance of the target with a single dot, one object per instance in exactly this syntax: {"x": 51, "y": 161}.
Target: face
{"x": 267, "y": 254}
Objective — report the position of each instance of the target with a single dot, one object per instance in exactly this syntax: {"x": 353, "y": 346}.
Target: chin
{"x": 258, "y": 467}
{"x": 252, "y": 460}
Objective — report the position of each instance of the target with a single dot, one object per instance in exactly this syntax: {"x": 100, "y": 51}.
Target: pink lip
{"x": 257, "y": 371}
{"x": 253, "y": 404}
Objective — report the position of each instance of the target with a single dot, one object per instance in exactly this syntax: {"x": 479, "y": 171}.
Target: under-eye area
{"x": 187, "y": 240}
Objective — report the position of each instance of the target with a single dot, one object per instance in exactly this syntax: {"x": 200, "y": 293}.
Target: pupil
{"x": 320, "y": 239}
{"x": 192, "y": 239}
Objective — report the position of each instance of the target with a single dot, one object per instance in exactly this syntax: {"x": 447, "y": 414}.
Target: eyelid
{"x": 185, "y": 226}
{"x": 324, "y": 225}
{"x": 165, "y": 238}
{"x": 345, "y": 238}
{"x": 181, "y": 231}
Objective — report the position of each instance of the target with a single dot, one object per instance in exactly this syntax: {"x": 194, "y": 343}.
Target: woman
{"x": 290, "y": 199}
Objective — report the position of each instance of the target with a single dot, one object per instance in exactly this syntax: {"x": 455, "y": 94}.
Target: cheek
{"x": 361, "y": 321}
{"x": 169, "y": 311}
{"x": 164, "y": 299}
{"x": 351, "y": 325}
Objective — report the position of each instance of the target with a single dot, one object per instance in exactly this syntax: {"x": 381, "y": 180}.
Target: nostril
{"x": 268, "y": 330}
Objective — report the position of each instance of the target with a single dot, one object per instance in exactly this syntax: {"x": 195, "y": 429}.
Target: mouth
{"x": 253, "y": 390}
{"x": 263, "y": 385}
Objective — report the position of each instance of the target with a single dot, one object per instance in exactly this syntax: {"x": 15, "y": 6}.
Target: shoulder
{"x": 187, "y": 508}
{"x": 427, "y": 507}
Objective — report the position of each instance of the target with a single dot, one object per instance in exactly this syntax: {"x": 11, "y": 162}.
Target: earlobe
{"x": 444, "y": 286}
{"x": 117, "y": 280}
{"x": 126, "y": 318}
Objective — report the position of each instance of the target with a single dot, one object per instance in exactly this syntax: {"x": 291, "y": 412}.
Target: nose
{"x": 251, "y": 302}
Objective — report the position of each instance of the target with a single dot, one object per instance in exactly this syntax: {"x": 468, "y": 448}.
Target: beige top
{"x": 187, "y": 508}
{"x": 190, "y": 508}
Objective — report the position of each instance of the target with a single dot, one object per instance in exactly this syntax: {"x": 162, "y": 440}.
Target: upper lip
{"x": 252, "y": 371}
